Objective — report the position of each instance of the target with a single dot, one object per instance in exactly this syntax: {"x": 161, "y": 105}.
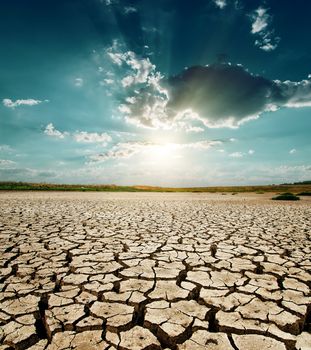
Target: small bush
{"x": 286, "y": 197}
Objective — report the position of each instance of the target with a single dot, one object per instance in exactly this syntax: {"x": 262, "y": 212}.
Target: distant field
{"x": 24, "y": 186}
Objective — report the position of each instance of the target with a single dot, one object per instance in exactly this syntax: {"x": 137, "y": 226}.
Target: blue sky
{"x": 159, "y": 92}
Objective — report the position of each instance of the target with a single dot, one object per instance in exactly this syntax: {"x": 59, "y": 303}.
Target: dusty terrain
{"x": 154, "y": 271}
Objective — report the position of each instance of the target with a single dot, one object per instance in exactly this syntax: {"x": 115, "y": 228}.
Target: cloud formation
{"x": 79, "y": 82}
{"x": 6, "y": 148}
{"x": 239, "y": 154}
{"x": 13, "y": 173}
{"x": 92, "y": 137}
{"x": 145, "y": 98}
{"x": 220, "y": 3}
{"x": 128, "y": 149}
{"x": 78, "y": 136}
{"x": 141, "y": 69}
{"x": 236, "y": 155}
{"x": 129, "y": 9}
{"x": 7, "y": 102}
{"x": 6, "y": 163}
{"x": 219, "y": 95}
{"x": 261, "y": 23}
{"x": 51, "y": 131}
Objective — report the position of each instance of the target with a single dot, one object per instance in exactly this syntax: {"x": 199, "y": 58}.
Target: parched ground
{"x": 154, "y": 271}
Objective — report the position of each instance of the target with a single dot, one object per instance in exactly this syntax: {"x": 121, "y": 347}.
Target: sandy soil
{"x": 130, "y": 271}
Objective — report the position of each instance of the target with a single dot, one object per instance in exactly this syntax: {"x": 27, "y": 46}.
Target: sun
{"x": 162, "y": 155}
{"x": 163, "y": 151}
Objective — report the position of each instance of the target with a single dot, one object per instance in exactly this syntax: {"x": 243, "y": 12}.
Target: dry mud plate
{"x": 154, "y": 271}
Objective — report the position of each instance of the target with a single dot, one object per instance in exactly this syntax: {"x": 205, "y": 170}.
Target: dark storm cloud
{"x": 224, "y": 93}
{"x": 219, "y": 95}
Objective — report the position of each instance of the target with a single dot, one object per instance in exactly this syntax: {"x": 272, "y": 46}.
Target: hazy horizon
{"x": 168, "y": 93}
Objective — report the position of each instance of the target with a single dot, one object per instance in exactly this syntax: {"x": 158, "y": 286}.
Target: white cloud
{"x": 205, "y": 144}
{"x": 93, "y": 137}
{"x": 266, "y": 44}
{"x": 260, "y": 20}
{"x": 6, "y": 148}
{"x": 220, "y": 3}
{"x": 236, "y": 155}
{"x": 113, "y": 52}
{"x": 110, "y": 2}
{"x": 12, "y": 173}
{"x": 128, "y": 149}
{"x": 6, "y": 163}
{"x": 295, "y": 169}
{"x": 145, "y": 106}
{"x": 123, "y": 134}
{"x": 51, "y": 131}
{"x": 129, "y": 9}
{"x": 250, "y": 152}
{"x": 261, "y": 23}
{"x": 79, "y": 82}
{"x": 115, "y": 57}
{"x": 78, "y": 136}
{"x": 193, "y": 129}
{"x": 296, "y": 93}
{"x": 288, "y": 173}
{"x": 109, "y": 81}
{"x": 7, "y": 102}
{"x": 293, "y": 151}
{"x": 142, "y": 68}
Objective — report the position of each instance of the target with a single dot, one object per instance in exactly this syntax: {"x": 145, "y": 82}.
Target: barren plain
{"x": 133, "y": 271}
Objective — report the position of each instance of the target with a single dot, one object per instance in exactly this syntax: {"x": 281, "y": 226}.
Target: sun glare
{"x": 163, "y": 151}
{"x": 163, "y": 155}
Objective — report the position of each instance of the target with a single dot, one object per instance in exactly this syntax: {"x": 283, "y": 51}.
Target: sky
{"x": 157, "y": 92}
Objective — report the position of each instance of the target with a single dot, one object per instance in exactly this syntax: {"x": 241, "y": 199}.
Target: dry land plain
{"x": 130, "y": 271}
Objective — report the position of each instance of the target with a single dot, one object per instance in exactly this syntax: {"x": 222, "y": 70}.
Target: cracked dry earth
{"x": 154, "y": 271}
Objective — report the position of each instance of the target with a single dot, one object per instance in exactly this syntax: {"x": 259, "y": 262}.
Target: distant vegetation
{"x": 25, "y": 186}
{"x": 287, "y": 196}
{"x": 308, "y": 182}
